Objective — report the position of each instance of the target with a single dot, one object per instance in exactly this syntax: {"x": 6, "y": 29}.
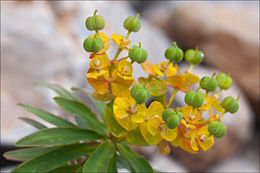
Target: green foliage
{"x": 85, "y": 147}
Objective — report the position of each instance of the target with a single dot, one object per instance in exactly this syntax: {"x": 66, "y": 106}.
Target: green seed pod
{"x": 93, "y": 44}
{"x": 217, "y": 129}
{"x": 167, "y": 113}
{"x": 208, "y": 84}
{"x": 132, "y": 24}
{"x": 174, "y": 53}
{"x": 95, "y": 22}
{"x": 179, "y": 114}
{"x": 230, "y": 104}
{"x": 140, "y": 94}
{"x": 194, "y": 57}
{"x": 137, "y": 54}
{"x": 224, "y": 81}
{"x": 172, "y": 118}
{"x": 194, "y": 99}
{"x": 173, "y": 121}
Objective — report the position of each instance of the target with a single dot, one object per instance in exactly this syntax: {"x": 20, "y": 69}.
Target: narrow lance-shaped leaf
{"x": 33, "y": 123}
{"x": 55, "y": 158}
{"x": 81, "y": 111}
{"x": 112, "y": 167}
{"x": 27, "y": 154}
{"x": 100, "y": 105}
{"x": 138, "y": 163}
{"x": 49, "y": 117}
{"x": 58, "y": 89}
{"x": 58, "y": 136}
{"x": 123, "y": 163}
{"x": 65, "y": 169}
{"x": 100, "y": 159}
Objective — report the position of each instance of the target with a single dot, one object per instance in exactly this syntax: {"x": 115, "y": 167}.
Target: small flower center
{"x": 132, "y": 109}
{"x": 203, "y": 138}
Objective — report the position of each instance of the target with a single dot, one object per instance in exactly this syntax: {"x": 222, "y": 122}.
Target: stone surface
{"x": 227, "y": 32}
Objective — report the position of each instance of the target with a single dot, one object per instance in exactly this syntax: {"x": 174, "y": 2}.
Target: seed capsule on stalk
{"x": 93, "y": 44}
{"x": 217, "y": 129}
{"x": 230, "y": 104}
{"x": 138, "y": 54}
{"x": 140, "y": 94}
{"x": 224, "y": 81}
{"x": 132, "y": 24}
{"x": 208, "y": 83}
{"x": 95, "y": 22}
{"x": 172, "y": 118}
{"x": 174, "y": 53}
{"x": 194, "y": 57}
{"x": 194, "y": 99}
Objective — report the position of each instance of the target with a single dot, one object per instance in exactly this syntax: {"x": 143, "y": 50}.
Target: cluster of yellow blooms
{"x": 129, "y": 119}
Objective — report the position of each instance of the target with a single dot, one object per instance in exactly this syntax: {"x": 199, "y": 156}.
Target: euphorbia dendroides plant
{"x": 100, "y": 143}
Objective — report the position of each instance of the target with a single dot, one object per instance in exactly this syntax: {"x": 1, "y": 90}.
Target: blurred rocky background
{"x": 42, "y": 41}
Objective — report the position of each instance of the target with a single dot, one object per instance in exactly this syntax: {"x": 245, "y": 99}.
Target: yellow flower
{"x": 182, "y": 81}
{"x": 99, "y": 78}
{"x": 105, "y": 41}
{"x": 168, "y": 68}
{"x": 202, "y": 139}
{"x": 184, "y": 144}
{"x": 121, "y": 41}
{"x": 191, "y": 115}
{"x": 211, "y": 102}
{"x": 152, "y": 69}
{"x": 125, "y": 69}
{"x": 155, "y": 129}
{"x": 126, "y": 109}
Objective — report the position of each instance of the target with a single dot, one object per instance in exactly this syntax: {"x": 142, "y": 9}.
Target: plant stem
{"x": 172, "y": 97}
{"x": 190, "y": 68}
{"x": 201, "y": 122}
{"x": 219, "y": 118}
{"x": 117, "y": 53}
{"x": 128, "y": 34}
{"x": 219, "y": 92}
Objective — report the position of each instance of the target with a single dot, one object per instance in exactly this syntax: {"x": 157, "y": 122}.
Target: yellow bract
{"x": 211, "y": 102}
{"x": 125, "y": 70}
{"x": 191, "y": 115}
{"x": 182, "y": 81}
{"x": 126, "y": 107}
{"x": 168, "y": 68}
{"x": 201, "y": 138}
{"x": 155, "y": 128}
{"x": 121, "y": 41}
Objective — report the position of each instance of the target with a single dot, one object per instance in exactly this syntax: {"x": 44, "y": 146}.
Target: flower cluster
{"x": 128, "y": 118}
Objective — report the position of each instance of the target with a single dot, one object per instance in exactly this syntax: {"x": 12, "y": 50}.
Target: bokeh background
{"x": 42, "y": 41}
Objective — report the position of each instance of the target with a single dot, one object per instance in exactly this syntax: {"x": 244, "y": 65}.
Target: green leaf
{"x": 157, "y": 88}
{"x": 134, "y": 137}
{"x": 100, "y": 105}
{"x": 58, "y": 136}
{"x": 33, "y": 123}
{"x": 80, "y": 170}
{"x": 27, "y": 154}
{"x": 112, "y": 167}
{"x": 111, "y": 122}
{"x": 51, "y": 118}
{"x": 123, "y": 163}
{"x": 81, "y": 111}
{"x": 161, "y": 99}
{"x": 55, "y": 158}
{"x": 80, "y": 123}
{"x": 100, "y": 159}
{"x": 58, "y": 89}
{"x": 138, "y": 163}
{"x": 66, "y": 169}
